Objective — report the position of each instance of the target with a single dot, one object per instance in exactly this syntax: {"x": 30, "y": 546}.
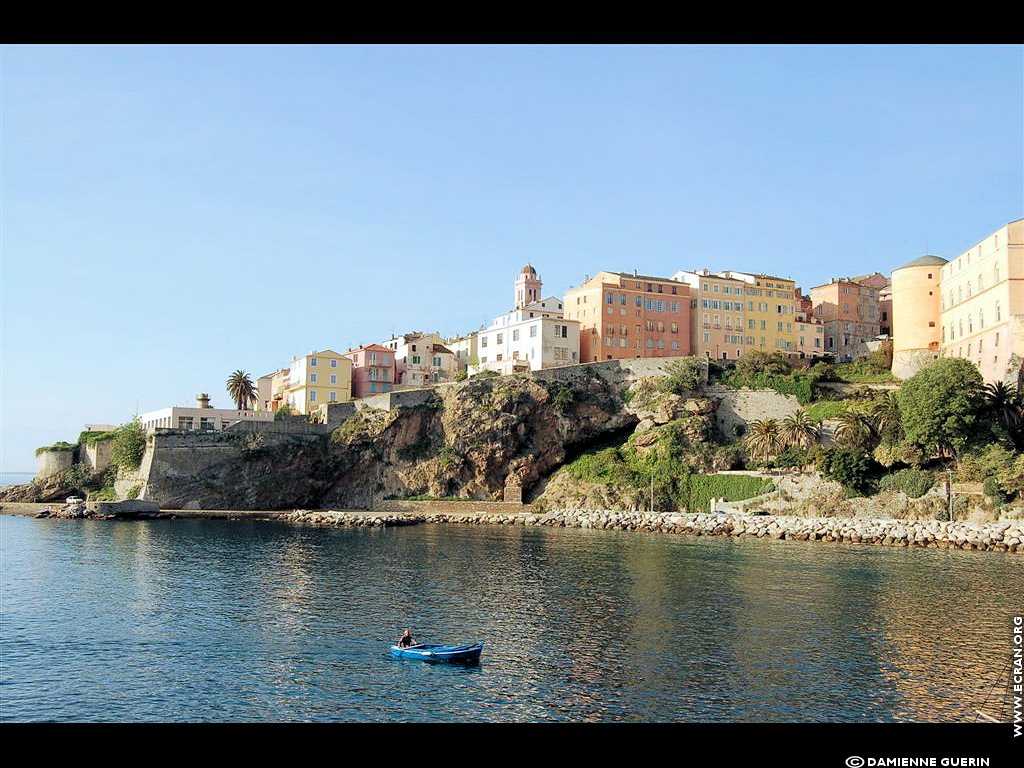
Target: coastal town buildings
{"x": 718, "y": 326}
{"x": 534, "y": 335}
{"x": 849, "y": 312}
{"x": 421, "y": 359}
{"x": 307, "y": 383}
{"x": 200, "y": 417}
{"x": 916, "y": 308}
{"x": 624, "y": 315}
{"x": 373, "y": 370}
{"x": 982, "y": 305}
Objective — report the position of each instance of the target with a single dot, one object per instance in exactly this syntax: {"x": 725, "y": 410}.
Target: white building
{"x": 201, "y": 419}
{"x": 534, "y": 335}
{"x": 421, "y": 360}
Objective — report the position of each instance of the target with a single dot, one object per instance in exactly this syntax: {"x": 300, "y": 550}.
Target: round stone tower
{"x": 916, "y": 315}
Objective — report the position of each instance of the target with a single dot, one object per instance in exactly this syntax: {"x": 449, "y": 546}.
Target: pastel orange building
{"x": 624, "y": 315}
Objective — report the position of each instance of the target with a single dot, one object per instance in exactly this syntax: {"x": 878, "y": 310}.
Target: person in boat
{"x": 406, "y": 640}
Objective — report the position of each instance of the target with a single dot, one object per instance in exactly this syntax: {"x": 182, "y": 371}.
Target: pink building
{"x": 373, "y": 370}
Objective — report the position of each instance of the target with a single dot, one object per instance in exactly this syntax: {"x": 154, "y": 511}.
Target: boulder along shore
{"x": 1001, "y": 536}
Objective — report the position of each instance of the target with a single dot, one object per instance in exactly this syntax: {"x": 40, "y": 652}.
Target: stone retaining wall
{"x": 1002, "y": 536}
{"x": 451, "y": 507}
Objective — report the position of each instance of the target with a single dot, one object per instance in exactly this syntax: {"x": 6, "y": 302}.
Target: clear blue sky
{"x": 171, "y": 214}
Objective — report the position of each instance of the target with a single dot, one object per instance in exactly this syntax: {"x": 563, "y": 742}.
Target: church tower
{"x": 528, "y": 287}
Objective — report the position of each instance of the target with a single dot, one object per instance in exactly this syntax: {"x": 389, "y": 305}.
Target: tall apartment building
{"x": 624, "y": 315}
{"x": 849, "y": 312}
{"x": 718, "y": 324}
{"x": 373, "y": 370}
{"x": 982, "y": 301}
{"x": 770, "y": 313}
{"x": 309, "y": 382}
{"x": 534, "y": 335}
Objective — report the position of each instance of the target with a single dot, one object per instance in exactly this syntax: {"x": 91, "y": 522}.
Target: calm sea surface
{"x": 204, "y": 620}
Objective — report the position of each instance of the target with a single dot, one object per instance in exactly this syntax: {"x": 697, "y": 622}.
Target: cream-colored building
{"x": 982, "y": 300}
{"x": 718, "y": 325}
{"x": 916, "y": 310}
{"x": 464, "y": 348}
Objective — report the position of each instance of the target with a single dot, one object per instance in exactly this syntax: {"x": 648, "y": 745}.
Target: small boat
{"x": 428, "y": 652}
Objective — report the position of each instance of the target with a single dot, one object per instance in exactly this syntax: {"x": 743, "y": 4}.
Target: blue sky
{"x": 171, "y": 214}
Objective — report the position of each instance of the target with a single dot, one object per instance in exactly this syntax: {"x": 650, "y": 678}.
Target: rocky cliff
{"x": 470, "y": 440}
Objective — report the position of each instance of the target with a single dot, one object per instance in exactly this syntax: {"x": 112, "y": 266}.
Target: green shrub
{"x": 976, "y": 466}
{"x": 915, "y": 483}
{"x": 683, "y": 376}
{"x": 461, "y": 376}
{"x": 129, "y": 446}
{"x": 850, "y": 467}
{"x": 825, "y": 409}
{"x": 58, "y": 446}
{"x": 283, "y": 412}
{"x": 486, "y": 373}
{"x": 92, "y": 437}
{"x": 134, "y": 491}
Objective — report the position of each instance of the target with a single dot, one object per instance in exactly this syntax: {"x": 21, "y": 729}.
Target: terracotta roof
{"x": 443, "y": 349}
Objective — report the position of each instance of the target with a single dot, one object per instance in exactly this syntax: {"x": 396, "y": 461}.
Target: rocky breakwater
{"x": 1002, "y": 536}
{"x": 101, "y": 510}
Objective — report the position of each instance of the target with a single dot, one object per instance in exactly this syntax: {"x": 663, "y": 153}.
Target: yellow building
{"x": 718, "y": 325}
{"x": 982, "y": 300}
{"x": 310, "y": 381}
{"x": 770, "y": 312}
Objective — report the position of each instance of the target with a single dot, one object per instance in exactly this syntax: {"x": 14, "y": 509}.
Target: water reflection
{"x": 194, "y": 620}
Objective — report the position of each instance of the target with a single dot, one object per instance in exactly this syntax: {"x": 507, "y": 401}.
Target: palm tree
{"x": 855, "y": 429}
{"x": 763, "y": 439}
{"x": 886, "y": 413}
{"x": 1002, "y": 403}
{"x": 242, "y": 390}
{"x": 799, "y": 430}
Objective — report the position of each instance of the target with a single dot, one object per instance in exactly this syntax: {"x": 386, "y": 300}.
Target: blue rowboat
{"x": 427, "y": 652}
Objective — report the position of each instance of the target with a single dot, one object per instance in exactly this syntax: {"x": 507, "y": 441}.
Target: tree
{"x": 1002, "y": 405}
{"x": 799, "y": 430}
{"x": 886, "y": 414}
{"x": 939, "y": 405}
{"x": 763, "y": 439}
{"x": 242, "y": 390}
{"x": 756, "y": 361}
{"x": 855, "y": 429}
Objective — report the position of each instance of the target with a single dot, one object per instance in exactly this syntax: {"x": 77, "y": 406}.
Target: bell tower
{"x": 528, "y": 287}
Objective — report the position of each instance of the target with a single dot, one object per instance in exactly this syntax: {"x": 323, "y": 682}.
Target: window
{"x": 533, "y": 331}
{"x": 437, "y": 362}
{"x": 334, "y": 396}
{"x": 312, "y": 377}
{"x": 312, "y": 396}
{"x": 383, "y": 387}
{"x": 334, "y": 378}
{"x": 675, "y": 327}
{"x": 415, "y": 359}
{"x": 501, "y": 338}
{"x": 675, "y": 345}
{"x": 483, "y": 341}
{"x": 334, "y": 363}
{"x": 650, "y": 343}
{"x": 661, "y": 343}
{"x": 515, "y": 335}
{"x": 312, "y": 361}
{"x": 373, "y": 387}
{"x": 999, "y": 314}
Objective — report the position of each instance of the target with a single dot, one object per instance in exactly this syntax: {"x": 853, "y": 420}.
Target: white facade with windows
{"x": 198, "y": 419}
{"x": 529, "y": 338}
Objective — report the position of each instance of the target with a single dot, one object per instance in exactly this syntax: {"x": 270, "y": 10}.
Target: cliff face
{"x": 468, "y": 440}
